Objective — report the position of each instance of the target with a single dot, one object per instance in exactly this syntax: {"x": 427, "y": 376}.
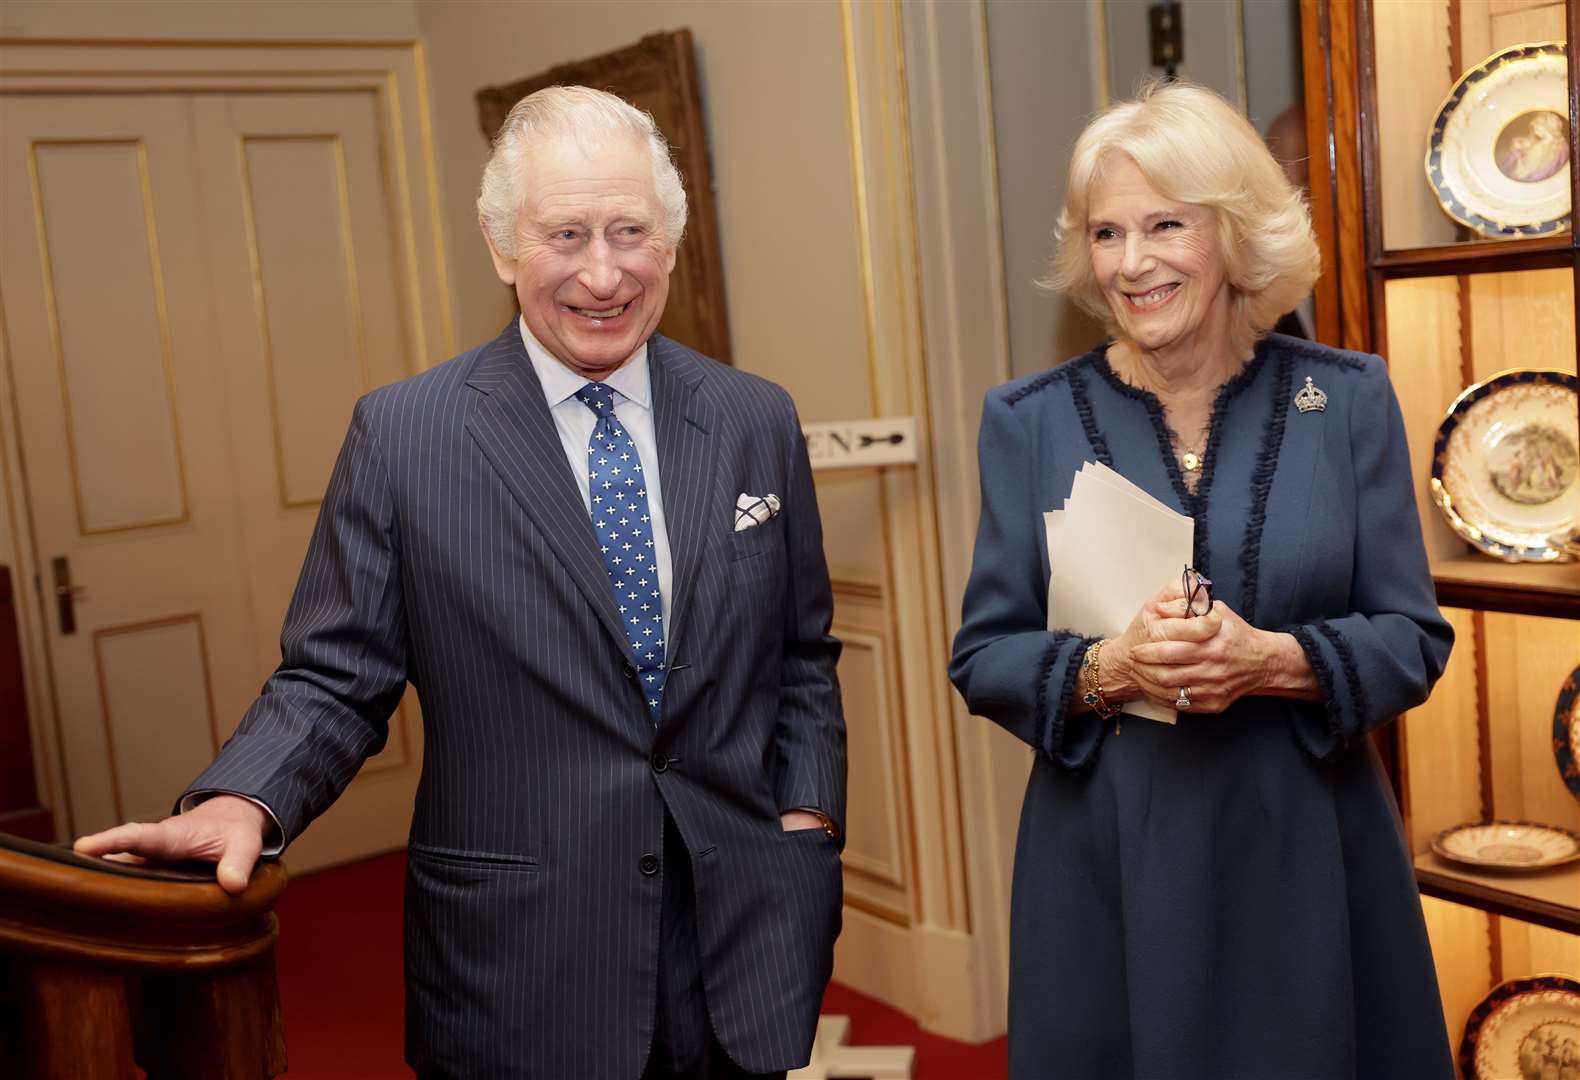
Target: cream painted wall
{"x": 1247, "y": 50}
{"x": 301, "y": 20}
{"x": 1272, "y": 59}
{"x": 1209, "y": 46}
{"x": 1045, "y": 86}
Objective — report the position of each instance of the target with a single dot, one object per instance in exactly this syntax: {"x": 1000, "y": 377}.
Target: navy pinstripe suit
{"x": 453, "y": 550}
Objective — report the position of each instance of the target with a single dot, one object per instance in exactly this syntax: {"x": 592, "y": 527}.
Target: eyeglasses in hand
{"x": 1198, "y": 592}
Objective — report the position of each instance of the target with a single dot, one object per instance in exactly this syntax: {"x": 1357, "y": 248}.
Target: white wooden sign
{"x": 861, "y": 444}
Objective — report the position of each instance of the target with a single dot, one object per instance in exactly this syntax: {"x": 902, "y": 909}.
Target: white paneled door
{"x": 196, "y": 289}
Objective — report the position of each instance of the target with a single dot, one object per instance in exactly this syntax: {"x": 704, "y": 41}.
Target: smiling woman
{"x": 1199, "y": 161}
{"x": 1158, "y": 263}
{"x": 1226, "y": 895}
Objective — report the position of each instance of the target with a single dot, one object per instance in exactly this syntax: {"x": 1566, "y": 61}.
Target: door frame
{"x": 394, "y": 73}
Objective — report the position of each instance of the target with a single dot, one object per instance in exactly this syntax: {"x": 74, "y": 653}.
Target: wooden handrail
{"x": 114, "y": 963}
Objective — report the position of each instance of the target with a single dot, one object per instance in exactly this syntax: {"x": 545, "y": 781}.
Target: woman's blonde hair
{"x": 1194, "y": 147}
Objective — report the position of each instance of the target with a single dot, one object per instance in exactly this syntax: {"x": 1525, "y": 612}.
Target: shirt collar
{"x": 560, "y": 382}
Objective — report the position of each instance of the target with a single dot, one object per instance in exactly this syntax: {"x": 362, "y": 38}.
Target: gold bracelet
{"x": 1090, "y": 683}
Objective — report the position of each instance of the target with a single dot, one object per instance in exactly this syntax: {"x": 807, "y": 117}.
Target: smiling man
{"x": 624, "y": 857}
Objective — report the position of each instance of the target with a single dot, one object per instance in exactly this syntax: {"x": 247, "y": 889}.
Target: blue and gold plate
{"x": 1524, "y": 1027}
{"x": 1566, "y": 732}
{"x": 1506, "y": 466}
{"x": 1498, "y": 157}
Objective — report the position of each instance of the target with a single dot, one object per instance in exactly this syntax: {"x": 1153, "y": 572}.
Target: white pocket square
{"x": 753, "y": 510}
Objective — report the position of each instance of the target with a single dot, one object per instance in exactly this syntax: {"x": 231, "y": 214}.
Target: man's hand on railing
{"x": 224, "y": 829}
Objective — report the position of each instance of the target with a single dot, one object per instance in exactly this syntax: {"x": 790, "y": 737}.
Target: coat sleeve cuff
{"x": 1322, "y": 728}
{"x": 1070, "y": 741}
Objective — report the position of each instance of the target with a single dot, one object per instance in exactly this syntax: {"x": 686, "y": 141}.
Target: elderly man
{"x": 597, "y": 556}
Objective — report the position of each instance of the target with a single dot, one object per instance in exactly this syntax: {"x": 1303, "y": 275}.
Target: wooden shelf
{"x": 1548, "y": 898}
{"x": 1478, "y": 257}
{"x": 1476, "y": 581}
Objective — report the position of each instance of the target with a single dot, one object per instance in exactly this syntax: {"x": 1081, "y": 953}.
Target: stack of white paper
{"x": 1110, "y": 548}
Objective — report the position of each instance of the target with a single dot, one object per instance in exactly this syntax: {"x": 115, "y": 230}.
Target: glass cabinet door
{"x": 1473, "y": 135}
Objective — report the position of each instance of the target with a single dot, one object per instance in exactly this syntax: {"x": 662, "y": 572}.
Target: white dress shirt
{"x": 633, "y": 406}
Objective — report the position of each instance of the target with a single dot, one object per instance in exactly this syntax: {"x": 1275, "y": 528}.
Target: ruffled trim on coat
{"x": 1352, "y": 673}
{"x": 1052, "y": 708}
{"x": 1071, "y": 371}
{"x": 1083, "y": 409}
{"x": 1329, "y": 704}
{"x": 1048, "y": 378}
{"x": 1262, "y": 486}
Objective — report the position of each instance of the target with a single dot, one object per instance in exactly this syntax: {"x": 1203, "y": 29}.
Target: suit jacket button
{"x": 648, "y": 865}
{"x": 660, "y": 763}
{"x": 627, "y": 670}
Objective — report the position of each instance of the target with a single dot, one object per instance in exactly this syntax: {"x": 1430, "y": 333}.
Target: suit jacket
{"x": 453, "y": 551}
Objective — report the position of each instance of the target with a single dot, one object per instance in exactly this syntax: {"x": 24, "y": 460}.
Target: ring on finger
{"x": 1183, "y": 701}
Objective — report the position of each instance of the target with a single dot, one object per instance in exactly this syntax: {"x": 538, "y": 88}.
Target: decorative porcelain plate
{"x": 1498, "y": 157}
{"x": 1566, "y": 732}
{"x": 1506, "y": 466}
{"x": 1507, "y": 845}
{"x": 1524, "y": 1028}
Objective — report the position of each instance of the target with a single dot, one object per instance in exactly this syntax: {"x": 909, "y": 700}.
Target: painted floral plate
{"x": 1506, "y": 466}
{"x": 1524, "y": 1028}
{"x": 1498, "y": 156}
{"x": 1566, "y": 732}
{"x": 1507, "y": 845}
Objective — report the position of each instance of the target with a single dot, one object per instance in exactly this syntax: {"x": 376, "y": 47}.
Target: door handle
{"x": 66, "y": 595}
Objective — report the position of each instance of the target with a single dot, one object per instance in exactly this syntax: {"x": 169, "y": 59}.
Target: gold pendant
{"x": 1190, "y": 461}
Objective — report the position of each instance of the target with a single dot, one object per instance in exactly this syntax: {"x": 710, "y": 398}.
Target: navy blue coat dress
{"x": 1230, "y": 898}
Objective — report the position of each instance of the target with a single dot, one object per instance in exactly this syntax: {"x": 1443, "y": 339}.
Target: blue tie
{"x": 625, "y": 536}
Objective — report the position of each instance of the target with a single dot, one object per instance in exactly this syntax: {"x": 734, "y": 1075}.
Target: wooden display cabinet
{"x": 1448, "y": 309}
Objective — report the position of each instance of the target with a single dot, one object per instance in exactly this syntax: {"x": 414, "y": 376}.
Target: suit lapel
{"x": 516, "y": 432}
{"x": 686, "y": 425}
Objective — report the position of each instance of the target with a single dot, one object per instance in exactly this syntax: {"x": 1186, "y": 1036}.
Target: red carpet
{"x": 339, "y": 960}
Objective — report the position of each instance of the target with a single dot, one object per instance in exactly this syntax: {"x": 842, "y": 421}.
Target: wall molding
{"x": 959, "y": 237}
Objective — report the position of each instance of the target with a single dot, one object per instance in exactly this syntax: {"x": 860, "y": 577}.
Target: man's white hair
{"x": 588, "y": 116}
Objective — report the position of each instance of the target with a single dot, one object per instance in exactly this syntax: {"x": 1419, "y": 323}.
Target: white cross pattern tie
{"x": 618, "y": 495}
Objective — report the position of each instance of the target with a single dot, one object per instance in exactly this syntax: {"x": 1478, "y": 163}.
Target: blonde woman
{"x": 1230, "y": 896}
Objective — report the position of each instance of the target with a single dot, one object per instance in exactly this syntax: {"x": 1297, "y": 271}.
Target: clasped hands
{"x": 1218, "y": 656}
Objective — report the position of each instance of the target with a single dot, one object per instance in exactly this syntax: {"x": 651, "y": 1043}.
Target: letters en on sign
{"x": 861, "y": 444}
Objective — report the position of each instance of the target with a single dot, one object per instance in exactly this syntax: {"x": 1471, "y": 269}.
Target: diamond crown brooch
{"x": 1310, "y": 398}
